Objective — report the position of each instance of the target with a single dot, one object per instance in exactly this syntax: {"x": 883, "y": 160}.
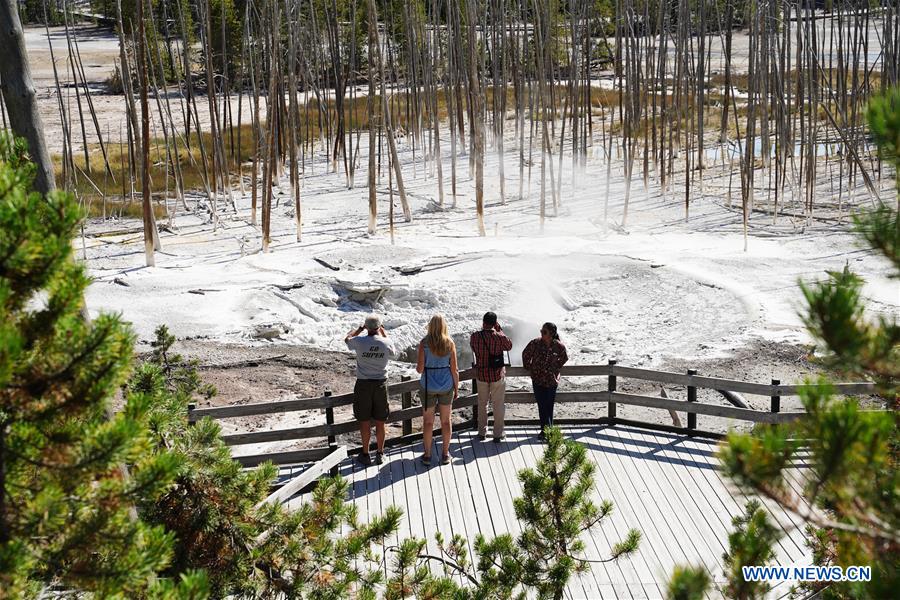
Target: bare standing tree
{"x": 477, "y": 96}
{"x": 19, "y": 95}
{"x": 388, "y": 122}
{"x": 370, "y": 107}
{"x": 151, "y": 239}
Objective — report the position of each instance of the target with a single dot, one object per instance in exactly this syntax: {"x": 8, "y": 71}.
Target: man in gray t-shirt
{"x": 370, "y": 397}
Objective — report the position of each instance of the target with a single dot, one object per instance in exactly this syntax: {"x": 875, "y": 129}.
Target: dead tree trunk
{"x": 388, "y": 123}
{"x": 477, "y": 115}
{"x": 370, "y": 109}
{"x": 150, "y": 235}
{"x": 19, "y": 96}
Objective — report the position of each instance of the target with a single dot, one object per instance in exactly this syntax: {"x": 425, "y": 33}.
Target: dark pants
{"x": 545, "y": 397}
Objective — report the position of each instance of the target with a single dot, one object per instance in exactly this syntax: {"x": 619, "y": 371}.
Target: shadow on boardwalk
{"x": 668, "y": 486}
{"x": 400, "y": 463}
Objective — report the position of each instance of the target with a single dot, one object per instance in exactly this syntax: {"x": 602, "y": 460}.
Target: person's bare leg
{"x": 446, "y": 428}
{"x": 365, "y": 432}
{"x": 427, "y": 429}
{"x": 379, "y": 435}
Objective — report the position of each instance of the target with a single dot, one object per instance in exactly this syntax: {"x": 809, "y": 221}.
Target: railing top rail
{"x": 714, "y": 410}
{"x": 667, "y": 377}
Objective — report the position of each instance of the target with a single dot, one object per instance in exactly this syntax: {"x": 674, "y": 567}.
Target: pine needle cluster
{"x": 71, "y": 470}
{"x": 851, "y": 496}
{"x": 556, "y": 508}
{"x": 216, "y": 509}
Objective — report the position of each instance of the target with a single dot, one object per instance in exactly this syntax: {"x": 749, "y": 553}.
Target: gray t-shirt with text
{"x": 372, "y": 355}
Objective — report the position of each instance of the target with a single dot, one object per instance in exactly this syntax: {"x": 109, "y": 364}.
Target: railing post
{"x": 611, "y": 388}
{"x": 776, "y": 398}
{"x": 691, "y": 397}
{"x": 406, "y": 402}
{"x": 329, "y": 420}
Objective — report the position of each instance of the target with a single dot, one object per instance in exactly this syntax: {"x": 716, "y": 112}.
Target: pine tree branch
{"x": 810, "y": 516}
{"x": 594, "y": 522}
{"x": 600, "y": 561}
{"x": 452, "y": 564}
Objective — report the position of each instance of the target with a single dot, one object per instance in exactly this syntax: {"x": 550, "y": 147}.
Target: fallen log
{"x": 676, "y": 420}
{"x": 735, "y": 398}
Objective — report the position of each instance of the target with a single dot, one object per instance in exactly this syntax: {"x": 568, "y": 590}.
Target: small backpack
{"x": 494, "y": 361}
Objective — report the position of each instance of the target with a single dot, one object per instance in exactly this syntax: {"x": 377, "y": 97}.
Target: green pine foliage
{"x": 836, "y": 315}
{"x": 688, "y": 583}
{"x": 750, "y": 543}
{"x": 226, "y": 28}
{"x": 71, "y": 472}
{"x": 883, "y": 115}
{"x": 40, "y": 11}
{"x": 215, "y": 509}
{"x": 852, "y": 493}
{"x": 555, "y": 509}
{"x": 851, "y": 497}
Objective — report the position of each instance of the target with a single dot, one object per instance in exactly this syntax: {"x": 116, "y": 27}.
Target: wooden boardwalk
{"x": 666, "y": 485}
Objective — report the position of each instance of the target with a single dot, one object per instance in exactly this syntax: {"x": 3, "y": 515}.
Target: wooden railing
{"x": 612, "y": 371}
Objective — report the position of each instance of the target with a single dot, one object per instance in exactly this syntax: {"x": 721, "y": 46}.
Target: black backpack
{"x": 494, "y": 361}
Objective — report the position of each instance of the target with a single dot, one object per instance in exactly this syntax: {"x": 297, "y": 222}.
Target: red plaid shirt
{"x": 483, "y": 343}
{"x": 544, "y": 361}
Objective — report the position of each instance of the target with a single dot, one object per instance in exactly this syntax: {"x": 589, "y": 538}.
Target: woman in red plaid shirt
{"x": 544, "y": 357}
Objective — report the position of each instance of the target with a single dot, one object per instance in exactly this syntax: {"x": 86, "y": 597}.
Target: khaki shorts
{"x": 370, "y": 400}
{"x": 442, "y": 398}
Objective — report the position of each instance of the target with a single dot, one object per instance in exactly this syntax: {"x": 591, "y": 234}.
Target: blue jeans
{"x": 545, "y": 397}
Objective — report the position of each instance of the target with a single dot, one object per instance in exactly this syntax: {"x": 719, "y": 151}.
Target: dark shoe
{"x": 426, "y": 460}
{"x": 497, "y": 440}
{"x": 379, "y": 457}
{"x": 482, "y": 437}
{"x": 542, "y": 437}
{"x": 364, "y": 459}
{"x": 445, "y": 460}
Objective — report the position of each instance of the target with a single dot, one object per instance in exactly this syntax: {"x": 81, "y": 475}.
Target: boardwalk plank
{"x": 715, "y": 521}
{"x": 412, "y": 471}
{"x": 686, "y": 507}
{"x": 430, "y": 502}
{"x": 784, "y": 518}
{"x": 624, "y": 570}
{"x": 631, "y": 568}
{"x": 663, "y": 544}
{"x": 483, "y": 516}
{"x": 502, "y": 484}
{"x": 735, "y": 501}
{"x": 682, "y": 466}
{"x": 582, "y": 586}
{"x": 456, "y": 486}
{"x": 403, "y": 487}
{"x": 667, "y": 485}
{"x": 484, "y": 473}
